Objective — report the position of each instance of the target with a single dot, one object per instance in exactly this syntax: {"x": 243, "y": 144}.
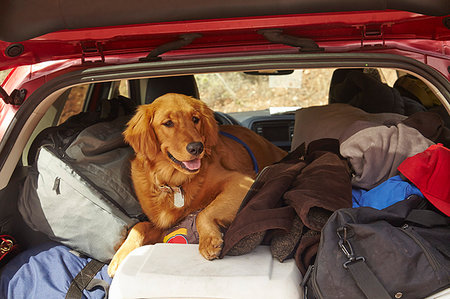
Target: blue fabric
{"x": 45, "y": 271}
{"x": 384, "y": 195}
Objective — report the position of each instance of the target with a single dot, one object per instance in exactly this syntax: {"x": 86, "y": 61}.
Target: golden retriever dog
{"x": 183, "y": 165}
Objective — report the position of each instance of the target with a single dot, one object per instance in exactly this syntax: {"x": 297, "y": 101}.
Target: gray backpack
{"x": 78, "y": 190}
{"x": 402, "y": 251}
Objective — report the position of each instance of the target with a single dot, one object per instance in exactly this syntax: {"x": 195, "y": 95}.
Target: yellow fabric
{"x": 180, "y": 231}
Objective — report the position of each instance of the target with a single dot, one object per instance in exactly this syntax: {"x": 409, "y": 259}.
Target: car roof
{"x": 38, "y": 31}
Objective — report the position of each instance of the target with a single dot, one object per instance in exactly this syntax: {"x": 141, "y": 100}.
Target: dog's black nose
{"x": 195, "y": 148}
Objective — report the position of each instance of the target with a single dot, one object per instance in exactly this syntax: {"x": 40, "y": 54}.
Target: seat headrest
{"x": 157, "y": 87}
{"x": 342, "y": 90}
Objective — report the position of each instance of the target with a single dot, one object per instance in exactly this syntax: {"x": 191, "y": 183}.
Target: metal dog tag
{"x": 178, "y": 197}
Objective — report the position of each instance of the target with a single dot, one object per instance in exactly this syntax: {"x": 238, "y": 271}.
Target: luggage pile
{"x": 357, "y": 228}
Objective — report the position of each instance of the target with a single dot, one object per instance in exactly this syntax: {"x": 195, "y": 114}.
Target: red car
{"x": 256, "y": 64}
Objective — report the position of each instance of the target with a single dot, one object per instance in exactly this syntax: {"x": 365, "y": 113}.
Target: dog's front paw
{"x": 114, "y": 264}
{"x": 210, "y": 246}
{"x": 117, "y": 259}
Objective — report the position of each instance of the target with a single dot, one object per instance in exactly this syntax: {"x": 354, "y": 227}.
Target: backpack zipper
{"x": 409, "y": 232}
{"x": 314, "y": 283}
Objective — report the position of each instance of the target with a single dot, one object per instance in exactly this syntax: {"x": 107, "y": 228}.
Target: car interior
{"x": 356, "y": 94}
{"x": 265, "y": 101}
{"x": 272, "y": 93}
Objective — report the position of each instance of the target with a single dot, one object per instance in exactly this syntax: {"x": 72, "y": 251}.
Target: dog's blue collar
{"x": 255, "y": 163}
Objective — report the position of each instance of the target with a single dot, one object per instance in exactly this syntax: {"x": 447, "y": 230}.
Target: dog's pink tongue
{"x": 193, "y": 164}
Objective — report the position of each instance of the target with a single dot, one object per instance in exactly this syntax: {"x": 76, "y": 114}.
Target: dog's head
{"x": 179, "y": 127}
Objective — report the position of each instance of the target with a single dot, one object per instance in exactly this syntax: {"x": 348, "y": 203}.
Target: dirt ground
{"x": 237, "y": 92}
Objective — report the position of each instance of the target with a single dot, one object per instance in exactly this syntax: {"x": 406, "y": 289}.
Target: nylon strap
{"x": 427, "y": 218}
{"x": 366, "y": 280}
{"x": 83, "y": 280}
{"x": 99, "y": 283}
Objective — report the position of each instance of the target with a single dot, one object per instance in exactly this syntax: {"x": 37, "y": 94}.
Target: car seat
{"x": 364, "y": 89}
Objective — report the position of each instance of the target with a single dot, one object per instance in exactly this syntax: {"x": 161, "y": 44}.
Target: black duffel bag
{"x": 402, "y": 251}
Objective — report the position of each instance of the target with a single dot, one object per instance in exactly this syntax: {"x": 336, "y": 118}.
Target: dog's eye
{"x": 168, "y": 124}
{"x": 195, "y": 119}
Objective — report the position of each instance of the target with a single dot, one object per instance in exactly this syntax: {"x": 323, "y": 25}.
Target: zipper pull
{"x": 56, "y": 186}
{"x": 307, "y": 276}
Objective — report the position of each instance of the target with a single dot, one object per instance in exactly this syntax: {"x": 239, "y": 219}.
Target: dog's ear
{"x": 139, "y": 132}
{"x": 210, "y": 129}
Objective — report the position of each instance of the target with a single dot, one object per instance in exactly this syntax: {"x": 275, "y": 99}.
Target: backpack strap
{"x": 427, "y": 218}
{"x": 363, "y": 276}
{"x": 85, "y": 280}
{"x": 367, "y": 282}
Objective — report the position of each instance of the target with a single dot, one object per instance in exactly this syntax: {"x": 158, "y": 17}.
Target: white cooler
{"x": 179, "y": 271}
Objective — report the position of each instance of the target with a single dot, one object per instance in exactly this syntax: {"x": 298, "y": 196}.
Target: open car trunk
{"x": 367, "y": 83}
{"x": 238, "y": 90}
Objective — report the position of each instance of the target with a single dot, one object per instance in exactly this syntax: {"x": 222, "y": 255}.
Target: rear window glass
{"x": 74, "y": 103}
{"x": 249, "y": 91}
{"x": 3, "y": 75}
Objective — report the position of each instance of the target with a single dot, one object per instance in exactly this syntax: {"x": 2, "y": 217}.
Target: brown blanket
{"x": 309, "y": 187}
